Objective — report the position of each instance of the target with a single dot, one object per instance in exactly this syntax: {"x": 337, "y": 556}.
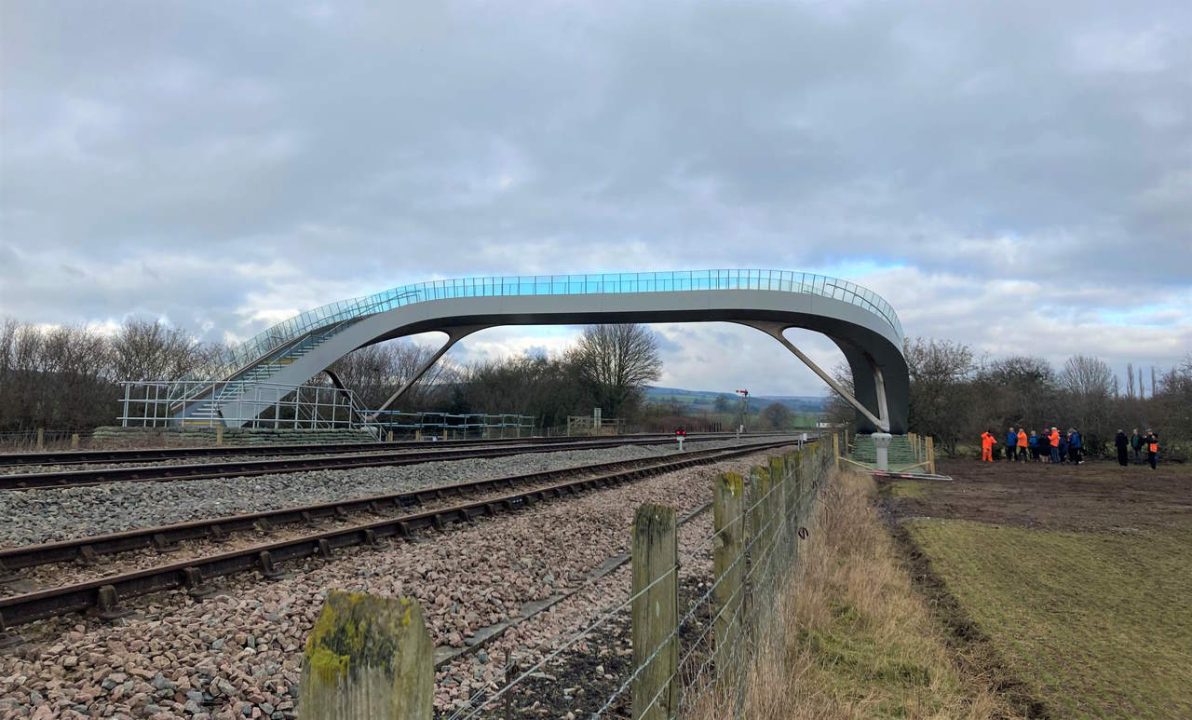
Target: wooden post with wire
{"x": 760, "y": 523}
{"x": 368, "y": 658}
{"x": 655, "y": 612}
{"x": 931, "y": 455}
{"x": 728, "y": 565}
{"x": 778, "y": 480}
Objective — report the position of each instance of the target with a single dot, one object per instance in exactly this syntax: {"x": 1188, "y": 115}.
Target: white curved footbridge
{"x": 861, "y": 323}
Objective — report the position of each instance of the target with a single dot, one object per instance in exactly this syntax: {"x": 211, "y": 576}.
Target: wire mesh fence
{"x": 680, "y": 641}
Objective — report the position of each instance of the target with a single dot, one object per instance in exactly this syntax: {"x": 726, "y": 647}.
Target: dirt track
{"x": 1095, "y": 496}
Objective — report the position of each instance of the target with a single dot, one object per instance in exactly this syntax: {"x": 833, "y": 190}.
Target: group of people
{"x": 1053, "y": 446}
{"x": 1050, "y": 446}
{"x": 1148, "y": 442}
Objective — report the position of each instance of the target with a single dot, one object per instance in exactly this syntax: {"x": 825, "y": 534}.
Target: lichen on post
{"x": 368, "y": 657}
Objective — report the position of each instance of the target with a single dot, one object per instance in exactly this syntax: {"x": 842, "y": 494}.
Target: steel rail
{"x": 245, "y": 468}
{"x": 103, "y": 594}
{"x": 81, "y": 457}
{"x": 165, "y": 537}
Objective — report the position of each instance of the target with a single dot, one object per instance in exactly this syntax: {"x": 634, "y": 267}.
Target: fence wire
{"x": 706, "y": 663}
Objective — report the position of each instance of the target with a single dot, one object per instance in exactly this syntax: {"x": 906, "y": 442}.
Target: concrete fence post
{"x": 74, "y": 441}
{"x": 368, "y": 658}
{"x": 655, "y": 612}
{"x": 728, "y": 567}
{"x": 41, "y": 439}
{"x": 219, "y": 430}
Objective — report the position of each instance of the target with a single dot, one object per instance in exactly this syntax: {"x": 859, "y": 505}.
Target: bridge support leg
{"x": 454, "y": 335}
{"x": 881, "y": 420}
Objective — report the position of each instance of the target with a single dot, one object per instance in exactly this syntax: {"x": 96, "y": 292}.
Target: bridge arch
{"x": 858, "y": 321}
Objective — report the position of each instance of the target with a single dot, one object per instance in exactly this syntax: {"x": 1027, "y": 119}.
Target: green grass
{"x": 907, "y": 489}
{"x": 1098, "y": 625}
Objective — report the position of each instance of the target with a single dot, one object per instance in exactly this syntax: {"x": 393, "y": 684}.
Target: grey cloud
{"x": 272, "y": 156}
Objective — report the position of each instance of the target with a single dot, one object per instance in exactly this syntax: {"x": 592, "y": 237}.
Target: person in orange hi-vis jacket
{"x": 987, "y": 443}
{"x": 1053, "y": 440}
{"x": 1023, "y": 445}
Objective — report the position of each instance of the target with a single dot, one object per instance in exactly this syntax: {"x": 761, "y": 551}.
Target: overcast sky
{"x": 1012, "y": 175}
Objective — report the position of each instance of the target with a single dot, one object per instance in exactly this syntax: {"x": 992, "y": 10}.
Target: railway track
{"x": 103, "y": 594}
{"x": 342, "y": 461}
{"x": 114, "y": 457}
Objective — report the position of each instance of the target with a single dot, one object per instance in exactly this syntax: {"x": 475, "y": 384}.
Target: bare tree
{"x": 1017, "y": 389}
{"x": 615, "y": 363}
{"x": 375, "y": 372}
{"x": 150, "y": 350}
{"x": 941, "y": 392}
{"x": 1087, "y": 376}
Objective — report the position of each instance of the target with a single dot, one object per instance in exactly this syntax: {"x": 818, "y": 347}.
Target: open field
{"x": 1075, "y": 581}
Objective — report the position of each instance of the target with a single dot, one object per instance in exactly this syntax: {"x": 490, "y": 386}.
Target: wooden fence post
{"x": 41, "y": 439}
{"x": 389, "y": 436}
{"x": 219, "y": 434}
{"x": 778, "y": 481}
{"x": 368, "y": 658}
{"x": 728, "y": 545}
{"x": 760, "y": 526}
{"x": 836, "y": 448}
{"x": 931, "y": 455}
{"x": 74, "y": 441}
{"x": 655, "y": 612}
{"x": 798, "y": 468}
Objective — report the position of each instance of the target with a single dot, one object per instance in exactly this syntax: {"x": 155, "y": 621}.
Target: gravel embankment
{"x": 46, "y": 515}
{"x": 263, "y": 455}
{"x": 238, "y": 654}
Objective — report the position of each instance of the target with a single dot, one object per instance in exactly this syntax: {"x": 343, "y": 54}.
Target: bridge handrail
{"x": 505, "y": 286}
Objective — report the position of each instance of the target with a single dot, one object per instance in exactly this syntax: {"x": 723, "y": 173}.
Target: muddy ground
{"x": 1096, "y": 496}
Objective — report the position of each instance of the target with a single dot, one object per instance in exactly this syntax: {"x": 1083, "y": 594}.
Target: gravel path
{"x": 238, "y": 654}
{"x": 46, "y": 515}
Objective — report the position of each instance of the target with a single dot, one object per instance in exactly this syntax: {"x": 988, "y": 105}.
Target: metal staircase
{"x": 207, "y": 412}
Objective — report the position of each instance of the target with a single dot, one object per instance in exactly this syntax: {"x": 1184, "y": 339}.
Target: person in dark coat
{"x": 1136, "y": 443}
{"x": 1122, "y": 443}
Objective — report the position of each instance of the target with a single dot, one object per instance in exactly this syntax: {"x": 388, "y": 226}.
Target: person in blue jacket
{"x": 1011, "y": 444}
{"x": 1034, "y": 443}
{"x": 1063, "y": 448}
{"x": 1075, "y": 446}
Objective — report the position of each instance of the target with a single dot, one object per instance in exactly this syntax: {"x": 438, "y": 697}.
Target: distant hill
{"x": 705, "y": 400}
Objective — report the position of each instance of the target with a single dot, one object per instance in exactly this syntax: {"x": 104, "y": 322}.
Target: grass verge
{"x": 1096, "y": 625}
{"x": 852, "y": 638}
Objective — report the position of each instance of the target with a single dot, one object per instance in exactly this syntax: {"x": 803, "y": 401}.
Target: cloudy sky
{"x": 1012, "y": 175}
